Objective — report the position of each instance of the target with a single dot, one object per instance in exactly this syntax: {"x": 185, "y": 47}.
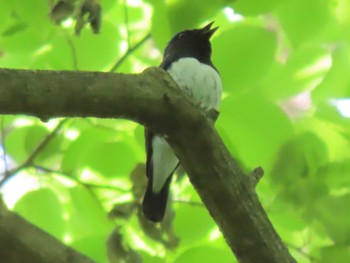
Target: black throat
{"x": 188, "y": 44}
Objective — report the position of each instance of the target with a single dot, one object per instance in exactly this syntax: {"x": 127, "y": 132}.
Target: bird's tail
{"x": 154, "y": 204}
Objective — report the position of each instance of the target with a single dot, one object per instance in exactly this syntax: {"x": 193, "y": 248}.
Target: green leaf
{"x": 8, "y": 121}
{"x": 87, "y": 216}
{"x": 93, "y": 246}
{"x": 301, "y": 71}
{"x": 303, "y": 193}
{"x": 35, "y": 135}
{"x": 60, "y": 56}
{"x": 5, "y": 13}
{"x": 336, "y": 83}
{"x": 33, "y": 12}
{"x": 14, "y": 29}
{"x": 140, "y": 136}
{"x": 302, "y": 156}
{"x": 15, "y": 142}
{"x": 236, "y": 55}
{"x": 254, "y": 7}
{"x": 97, "y": 52}
{"x": 338, "y": 146}
{"x": 335, "y": 174}
{"x": 296, "y": 170}
{"x": 107, "y": 5}
{"x": 166, "y": 22}
{"x": 147, "y": 258}
{"x": 335, "y": 254}
{"x": 35, "y": 38}
{"x": 111, "y": 159}
{"x": 342, "y": 24}
{"x": 333, "y": 213}
{"x": 192, "y": 224}
{"x": 204, "y": 254}
{"x": 303, "y": 20}
{"x": 160, "y": 30}
{"x": 330, "y": 114}
{"x": 77, "y": 151}
{"x": 43, "y": 208}
{"x": 256, "y": 128}
{"x": 204, "y": 10}
{"x": 285, "y": 219}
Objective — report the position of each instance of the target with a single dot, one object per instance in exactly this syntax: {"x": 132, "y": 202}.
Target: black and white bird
{"x": 187, "y": 59}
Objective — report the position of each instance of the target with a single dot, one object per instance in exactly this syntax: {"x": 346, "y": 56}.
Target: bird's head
{"x": 191, "y": 43}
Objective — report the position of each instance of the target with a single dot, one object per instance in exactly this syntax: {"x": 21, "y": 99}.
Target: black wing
{"x": 154, "y": 204}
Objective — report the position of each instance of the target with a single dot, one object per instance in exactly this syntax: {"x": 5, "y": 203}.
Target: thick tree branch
{"x": 23, "y": 242}
{"x": 153, "y": 99}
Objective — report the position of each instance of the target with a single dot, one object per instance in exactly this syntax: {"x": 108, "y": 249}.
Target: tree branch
{"x": 23, "y": 242}
{"x": 153, "y": 99}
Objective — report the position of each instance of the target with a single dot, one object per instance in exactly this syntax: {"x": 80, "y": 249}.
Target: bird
{"x": 187, "y": 58}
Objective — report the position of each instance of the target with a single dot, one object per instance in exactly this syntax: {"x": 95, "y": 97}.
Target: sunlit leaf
{"x": 256, "y": 128}
{"x": 243, "y": 55}
{"x": 335, "y": 254}
{"x": 96, "y": 52}
{"x": 87, "y": 218}
{"x": 93, "y": 246}
{"x": 336, "y": 174}
{"x": 160, "y": 30}
{"x": 304, "y": 68}
{"x": 43, "y": 208}
{"x": 5, "y": 12}
{"x": 333, "y": 214}
{"x": 295, "y": 18}
{"x": 77, "y": 151}
{"x": 192, "y": 224}
{"x": 268, "y": 53}
{"x": 255, "y": 7}
{"x": 35, "y": 39}
{"x": 205, "y": 10}
{"x": 336, "y": 83}
{"x": 15, "y": 144}
{"x": 204, "y": 254}
{"x": 34, "y": 12}
{"x": 111, "y": 159}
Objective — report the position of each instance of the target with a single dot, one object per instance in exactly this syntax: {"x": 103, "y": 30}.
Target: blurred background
{"x": 285, "y": 67}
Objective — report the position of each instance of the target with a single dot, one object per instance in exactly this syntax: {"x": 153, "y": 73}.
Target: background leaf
{"x": 285, "y": 71}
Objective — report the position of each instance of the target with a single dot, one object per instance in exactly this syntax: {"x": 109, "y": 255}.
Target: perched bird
{"x": 187, "y": 59}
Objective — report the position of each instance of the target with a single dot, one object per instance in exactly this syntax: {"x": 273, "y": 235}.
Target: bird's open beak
{"x": 208, "y": 31}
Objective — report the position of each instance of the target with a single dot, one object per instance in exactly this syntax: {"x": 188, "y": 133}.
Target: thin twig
{"x": 126, "y": 15}
{"x": 129, "y": 52}
{"x": 87, "y": 185}
{"x": 74, "y": 53}
{"x": 100, "y": 126}
{"x": 35, "y": 153}
{"x": 256, "y": 175}
{"x": 191, "y": 203}
{"x": 4, "y": 153}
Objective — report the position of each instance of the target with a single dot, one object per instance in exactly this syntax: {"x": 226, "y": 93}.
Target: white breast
{"x": 201, "y": 81}
{"x": 164, "y": 162}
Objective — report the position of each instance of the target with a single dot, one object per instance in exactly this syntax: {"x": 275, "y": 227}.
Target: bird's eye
{"x": 180, "y": 35}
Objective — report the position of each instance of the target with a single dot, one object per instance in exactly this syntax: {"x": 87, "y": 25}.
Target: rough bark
{"x": 22, "y": 242}
{"x": 153, "y": 99}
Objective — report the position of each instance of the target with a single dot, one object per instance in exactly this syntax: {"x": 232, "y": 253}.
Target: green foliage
{"x": 34, "y": 205}
{"x": 285, "y": 68}
{"x": 247, "y": 63}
